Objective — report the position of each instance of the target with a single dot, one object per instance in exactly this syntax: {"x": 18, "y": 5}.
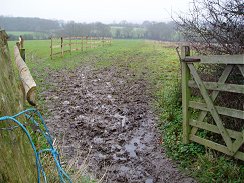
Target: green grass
{"x": 28, "y": 35}
{"x": 159, "y": 66}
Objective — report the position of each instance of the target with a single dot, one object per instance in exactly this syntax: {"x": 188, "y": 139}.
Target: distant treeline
{"x": 147, "y": 30}
{"x": 28, "y": 24}
{"x": 37, "y": 28}
{"x": 84, "y": 29}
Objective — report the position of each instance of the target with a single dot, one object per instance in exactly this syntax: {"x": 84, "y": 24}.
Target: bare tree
{"x": 214, "y": 26}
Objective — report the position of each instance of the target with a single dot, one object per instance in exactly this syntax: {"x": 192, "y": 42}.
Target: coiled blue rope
{"x": 63, "y": 176}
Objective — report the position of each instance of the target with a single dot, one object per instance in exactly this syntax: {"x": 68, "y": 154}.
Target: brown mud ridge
{"x": 108, "y": 112}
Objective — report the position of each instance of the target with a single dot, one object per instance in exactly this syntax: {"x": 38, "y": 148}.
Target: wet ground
{"x": 107, "y": 112}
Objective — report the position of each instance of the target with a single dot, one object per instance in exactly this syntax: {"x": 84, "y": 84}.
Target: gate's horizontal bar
{"x": 219, "y": 59}
{"x": 216, "y": 146}
{"x": 234, "y": 88}
{"x": 56, "y": 46}
{"x": 213, "y": 128}
{"x": 221, "y": 110}
{"x": 57, "y": 53}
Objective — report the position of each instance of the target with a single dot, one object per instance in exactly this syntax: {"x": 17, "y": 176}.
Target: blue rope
{"x": 40, "y": 170}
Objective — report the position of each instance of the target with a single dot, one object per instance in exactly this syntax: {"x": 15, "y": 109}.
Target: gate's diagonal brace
{"x": 241, "y": 68}
{"x": 210, "y": 105}
{"x": 238, "y": 142}
{"x": 214, "y": 95}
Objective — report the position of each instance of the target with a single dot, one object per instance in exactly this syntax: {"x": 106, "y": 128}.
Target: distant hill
{"x": 28, "y": 24}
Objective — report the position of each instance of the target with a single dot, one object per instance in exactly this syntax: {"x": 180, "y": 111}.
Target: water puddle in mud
{"x": 149, "y": 181}
{"x": 134, "y": 144}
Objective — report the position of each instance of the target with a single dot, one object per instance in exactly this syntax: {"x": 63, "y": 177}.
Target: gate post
{"x": 186, "y": 93}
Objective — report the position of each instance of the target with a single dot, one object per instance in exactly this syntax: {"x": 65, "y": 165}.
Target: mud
{"x": 107, "y": 112}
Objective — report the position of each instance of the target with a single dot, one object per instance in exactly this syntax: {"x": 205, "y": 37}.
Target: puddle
{"x": 149, "y": 181}
{"x": 134, "y": 144}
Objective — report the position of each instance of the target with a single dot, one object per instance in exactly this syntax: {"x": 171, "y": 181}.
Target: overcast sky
{"x": 105, "y": 11}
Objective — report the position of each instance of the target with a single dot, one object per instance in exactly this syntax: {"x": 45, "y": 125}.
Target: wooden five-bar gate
{"x": 233, "y": 139}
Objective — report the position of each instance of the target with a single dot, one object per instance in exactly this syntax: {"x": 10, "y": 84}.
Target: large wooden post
{"x": 17, "y": 162}
{"x": 186, "y": 93}
{"x": 26, "y": 78}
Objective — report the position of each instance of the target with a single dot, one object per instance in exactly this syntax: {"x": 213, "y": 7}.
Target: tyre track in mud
{"x": 107, "y": 112}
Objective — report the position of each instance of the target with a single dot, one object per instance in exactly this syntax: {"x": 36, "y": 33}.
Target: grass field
{"x": 28, "y": 35}
{"x": 159, "y": 65}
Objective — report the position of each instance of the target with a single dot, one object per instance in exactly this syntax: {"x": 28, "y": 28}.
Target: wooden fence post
{"x": 86, "y": 42}
{"x": 90, "y": 42}
{"x": 186, "y": 93}
{"x": 82, "y": 43}
{"x": 22, "y": 53}
{"x": 26, "y": 78}
{"x": 70, "y": 45}
{"x": 62, "y": 49}
{"x": 51, "y": 47}
{"x": 91, "y": 39}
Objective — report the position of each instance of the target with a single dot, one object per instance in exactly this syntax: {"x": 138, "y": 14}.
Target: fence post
{"x": 186, "y": 93}
{"x": 82, "y": 43}
{"x": 86, "y": 42}
{"x": 51, "y": 47}
{"x": 62, "y": 50}
{"x": 90, "y": 42}
{"x": 22, "y": 53}
{"x": 91, "y": 39}
{"x": 70, "y": 45}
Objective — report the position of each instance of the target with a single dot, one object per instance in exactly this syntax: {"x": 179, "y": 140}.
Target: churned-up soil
{"x": 105, "y": 115}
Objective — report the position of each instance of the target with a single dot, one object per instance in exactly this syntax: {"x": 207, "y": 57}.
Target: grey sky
{"x": 105, "y": 11}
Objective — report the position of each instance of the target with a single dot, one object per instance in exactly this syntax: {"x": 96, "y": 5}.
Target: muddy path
{"x": 107, "y": 112}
